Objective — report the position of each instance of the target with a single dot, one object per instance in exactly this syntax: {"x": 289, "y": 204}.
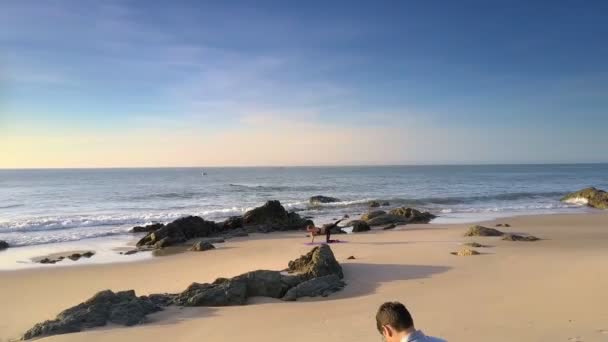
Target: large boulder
{"x": 106, "y": 306}
{"x": 222, "y": 292}
{"x": 232, "y": 222}
{"x": 316, "y": 200}
{"x": 478, "y": 230}
{"x": 3, "y": 245}
{"x": 371, "y": 214}
{"x": 273, "y": 215}
{"x": 387, "y": 219}
{"x": 178, "y": 231}
{"x": 590, "y": 196}
{"x": 359, "y": 226}
{"x": 413, "y": 215}
{"x": 320, "y": 261}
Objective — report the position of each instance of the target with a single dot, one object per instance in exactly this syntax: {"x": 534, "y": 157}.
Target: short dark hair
{"x": 394, "y": 314}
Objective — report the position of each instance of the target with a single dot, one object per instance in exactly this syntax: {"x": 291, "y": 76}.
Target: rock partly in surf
{"x": 316, "y": 200}
{"x": 3, "y": 245}
{"x": 592, "y": 197}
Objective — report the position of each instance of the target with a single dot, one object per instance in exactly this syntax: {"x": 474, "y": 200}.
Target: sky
{"x": 88, "y": 83}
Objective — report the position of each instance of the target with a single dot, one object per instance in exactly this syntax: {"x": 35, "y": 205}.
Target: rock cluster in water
{"x": 272, "y": 216}
{"x": 592, "y": 197}
{"x": 316, "y": 273}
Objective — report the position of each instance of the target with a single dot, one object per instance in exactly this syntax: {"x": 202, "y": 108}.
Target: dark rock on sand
{"x": 316, "y": 273}
{"x": 466, "y": 252}
{"x": 202, "y": 246}
{"x": 47, "y": 261}
{"x": 592, "y": 197}
{"x": 316, "y": 200}
{"x": 146, "y": 229}
{"x": 474, "y": 244}
{"x": 359, "y": 226}
{"x": 516, "y": 237}
{"x": 106, "y": 306}
{"x": 179, "y": 231}
{"x": 88, "y": 254}
{"x": 133, "y": 251}
{"x": 371, "y": 214}
{"x": 412, "y": 215}
{"x": 3, "y": 245}
{"x": 483, "y": 231}
{"x": 322, "y": 286}
{"x": 503, "y": 225}
{"x": 387, "y": 219}
{"x": 74, "y": 256}
{"x": 374, "y": 204}
{"x": 272, "y": 214}
{"x": 350, "y": 258}
{"x": 390, "y": 226}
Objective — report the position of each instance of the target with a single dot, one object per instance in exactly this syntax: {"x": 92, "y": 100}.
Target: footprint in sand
{"x": 575, "y": 339}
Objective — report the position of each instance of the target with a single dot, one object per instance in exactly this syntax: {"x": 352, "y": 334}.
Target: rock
{"x": 345, "y": 216}
{"x": 372, "y": 214}
{"x": 413, "y": 215}
{"x": 516, "y": 237}
{"x": 3, "y": 245}
{"x": 202, "y": 246}
{"x": 483, "y": 231}
{"x": 232, "y": 223}
{"x": 466, "y": 252}
{"x": 592, "y": 197}
{"x": 237, "y": 233}
{"x": 387, "y": 219}
{"x": 88, "y": 254}
{"x": 503, "y": 225}
{"x": 147, "y": 229}
{"x": 106, "y": 306}
{"x": 474, "y": 244}
{"x": 390, "y": 226}
{"x": 273, "y": 215}
{"x": 386, "y": 204}
{"x": 350, "y": 258}
{"x": 359, "y": 226}
{"x": 74, "y": 256}
{"x": 322, "y": 286}
{"x": 133, "y": 251}
{"x": 179, "y": 231}
{"x": 316, "y": 200}
{"x": 317, "y": 273}
{"x": 374, "y": 204}
{"x": 214, "y": 240}
{"x": 47, "y": 261}
{"x": 320, "y": 261}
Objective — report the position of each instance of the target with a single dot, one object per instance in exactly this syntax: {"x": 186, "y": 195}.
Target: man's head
{"x": 394, "y": 321}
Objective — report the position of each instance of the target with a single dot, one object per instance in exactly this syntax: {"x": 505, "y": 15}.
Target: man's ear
{"x": 387, "y": 330}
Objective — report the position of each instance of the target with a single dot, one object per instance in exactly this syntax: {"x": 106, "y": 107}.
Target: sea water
{"x": 61, "y": 206}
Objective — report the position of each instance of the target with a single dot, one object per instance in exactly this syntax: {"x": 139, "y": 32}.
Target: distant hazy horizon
{"x": 116, "y": 84}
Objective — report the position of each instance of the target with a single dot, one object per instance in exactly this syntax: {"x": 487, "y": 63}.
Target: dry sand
{"x": 549, "y": 290}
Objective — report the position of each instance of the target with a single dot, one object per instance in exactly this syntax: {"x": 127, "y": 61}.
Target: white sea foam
{"x": 577, "y": 200}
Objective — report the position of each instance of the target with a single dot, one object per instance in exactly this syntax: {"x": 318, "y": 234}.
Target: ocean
{"x": 63, "y": 205}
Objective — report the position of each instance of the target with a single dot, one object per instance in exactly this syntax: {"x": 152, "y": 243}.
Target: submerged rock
{"x": 202, "y": 246}
{"x": 413, "y": 215}
{"x": 592, "y": 197}
{"x": 316, "y": 200}
{"x": 516, "y": 237}
{"x": 466, "y": 252}
{"x": 374, "y": 204}
{"x": 3, "y": 245}
{"x": 478, "y": 230}
{"x": 386, "y": 204}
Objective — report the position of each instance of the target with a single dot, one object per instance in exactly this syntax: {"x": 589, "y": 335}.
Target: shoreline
{"x": 509, "y": 292}
{"x": 111, "y": 246}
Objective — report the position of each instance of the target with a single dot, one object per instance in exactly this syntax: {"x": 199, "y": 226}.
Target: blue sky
{"x": 86, "y": 83}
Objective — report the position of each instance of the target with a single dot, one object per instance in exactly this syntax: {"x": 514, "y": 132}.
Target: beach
{"x": 552, "y": 289}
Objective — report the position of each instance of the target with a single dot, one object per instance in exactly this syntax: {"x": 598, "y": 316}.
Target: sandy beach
{"x": 549, "y": 290}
